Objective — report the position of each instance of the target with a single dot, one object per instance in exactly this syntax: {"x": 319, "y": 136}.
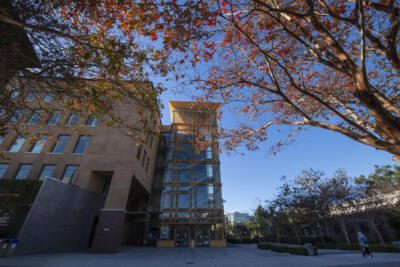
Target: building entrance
{"x": 182, "y": 237}
{"x": 202, "y": 238}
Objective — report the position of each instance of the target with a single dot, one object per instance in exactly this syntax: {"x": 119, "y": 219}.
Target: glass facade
{"x": 191, "y": 201}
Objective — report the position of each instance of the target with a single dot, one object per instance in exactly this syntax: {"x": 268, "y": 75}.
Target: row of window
{"x": 144, "y": 160}
{"x": 48, "y": 98}
{"x": 46, "y": 171}
{"x": 149, "y": 143}
{"x": 56, "y": 116}
{"x": 59, "y": 146}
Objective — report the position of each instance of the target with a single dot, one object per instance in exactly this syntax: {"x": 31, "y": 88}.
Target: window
{"x": 38, "y": 146}
{"x": 147, "y": 164}
{"x": 3, "y": 169}
{"x": 81, "y": 146}
{"x": 167, "y": 200}
{"x": 17, "y": 144}
{"x": 73, "y": 119}
{"x": 36, "y": 117}
{"x": 202, "y": 197}
{"x": 91, "y": 121}
{"x": 14, "y": 94}
{"x": 60, "y": 144}
{"x": 30, "y": 96}
{"x": 1, "y": 139}
{"x": 209, "y": 170}
{"x": 139, "y": 152}
{"x": 144, "y": 157}
{"x": 55, "y": 117}
{"x": 209, "y": 153}
{"x": 23, "y": 171}
{"x": 151, "y": 141}
{"x": 16, "y": 116}
{"x": 48, "y": 98}
{"x": 184, "y": 176}
{"x": 184, "y": 201}
{"x": 69, "y": 173}
{"x": 47, "y": 171}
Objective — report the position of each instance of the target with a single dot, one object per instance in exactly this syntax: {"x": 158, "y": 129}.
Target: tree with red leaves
{"x": 329, "y": 64}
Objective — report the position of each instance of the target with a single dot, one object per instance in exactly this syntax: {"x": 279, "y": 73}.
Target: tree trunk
{"x": 327, "y": 230}
{"x": 320, "y": 233}
{"x": 278, "y": 237}
{"x": 377, "y": 232}
{"x": 343, "y": 227}
{"x": 297, "y": 235}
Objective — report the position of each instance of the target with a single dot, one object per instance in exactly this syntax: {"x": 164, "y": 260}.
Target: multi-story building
{"x": 187, "y": 200}
{"x": 235, "y": 218}
{"x": 83, "y": 150}
{"x": 186, "y": 205}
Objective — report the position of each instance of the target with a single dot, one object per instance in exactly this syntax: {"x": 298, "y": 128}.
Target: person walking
{"x": 363, "y": 241}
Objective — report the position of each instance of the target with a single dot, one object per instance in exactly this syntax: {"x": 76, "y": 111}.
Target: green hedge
{"x": 18, "y": 192}
{"x": 295, "y": 250}
{"x": 376, "y": 248}
{"x": 264, "y": 245}
{"x": 388, "y": 248}
{"x": 298, "y": 251}
{"x": 326, "y": 245}
{"x": 242, "y": 241}
{"x": 279, "y": 248}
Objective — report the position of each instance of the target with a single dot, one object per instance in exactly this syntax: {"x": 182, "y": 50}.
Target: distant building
{"x": 236, "y": 218}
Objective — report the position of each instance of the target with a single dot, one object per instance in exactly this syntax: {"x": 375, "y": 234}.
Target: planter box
{"x": 218, "y": 243}
{"x": 165, "y": 243}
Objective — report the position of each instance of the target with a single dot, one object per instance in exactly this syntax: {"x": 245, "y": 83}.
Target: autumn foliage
{"x": 328, "y": 64}
{"x": 332, "y": 64}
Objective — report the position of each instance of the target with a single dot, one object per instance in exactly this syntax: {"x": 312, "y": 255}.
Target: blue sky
{"x": 253, "y": 177}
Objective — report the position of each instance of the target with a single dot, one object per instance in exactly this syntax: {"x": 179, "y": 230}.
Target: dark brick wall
{"x": 61, "y": 219}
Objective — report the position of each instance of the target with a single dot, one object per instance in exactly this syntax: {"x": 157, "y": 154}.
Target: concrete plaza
{"x": 238, "y": 255}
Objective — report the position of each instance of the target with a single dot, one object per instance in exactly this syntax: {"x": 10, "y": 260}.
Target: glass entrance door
{"x": 182, "y": 237}
{"x": 202, "y": 238}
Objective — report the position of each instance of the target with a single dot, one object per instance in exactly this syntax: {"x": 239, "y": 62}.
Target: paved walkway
{"x": 235, "y": 256}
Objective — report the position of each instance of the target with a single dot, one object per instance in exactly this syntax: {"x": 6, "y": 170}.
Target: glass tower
{"x": 191, "y": 208}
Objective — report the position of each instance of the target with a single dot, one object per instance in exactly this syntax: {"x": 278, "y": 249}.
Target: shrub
{"x": 264, "y": 245}
{"x": 298, "y": 251}
{"x": 326, "y": 246}
{"x": 348, "y": 246}
{"x": 373, "y": 248}
{"x": 17, "y": 192}
{"x": 242, "y": 241}
{"x": 279, "y": 248}
{"x": 388, "y": 248}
